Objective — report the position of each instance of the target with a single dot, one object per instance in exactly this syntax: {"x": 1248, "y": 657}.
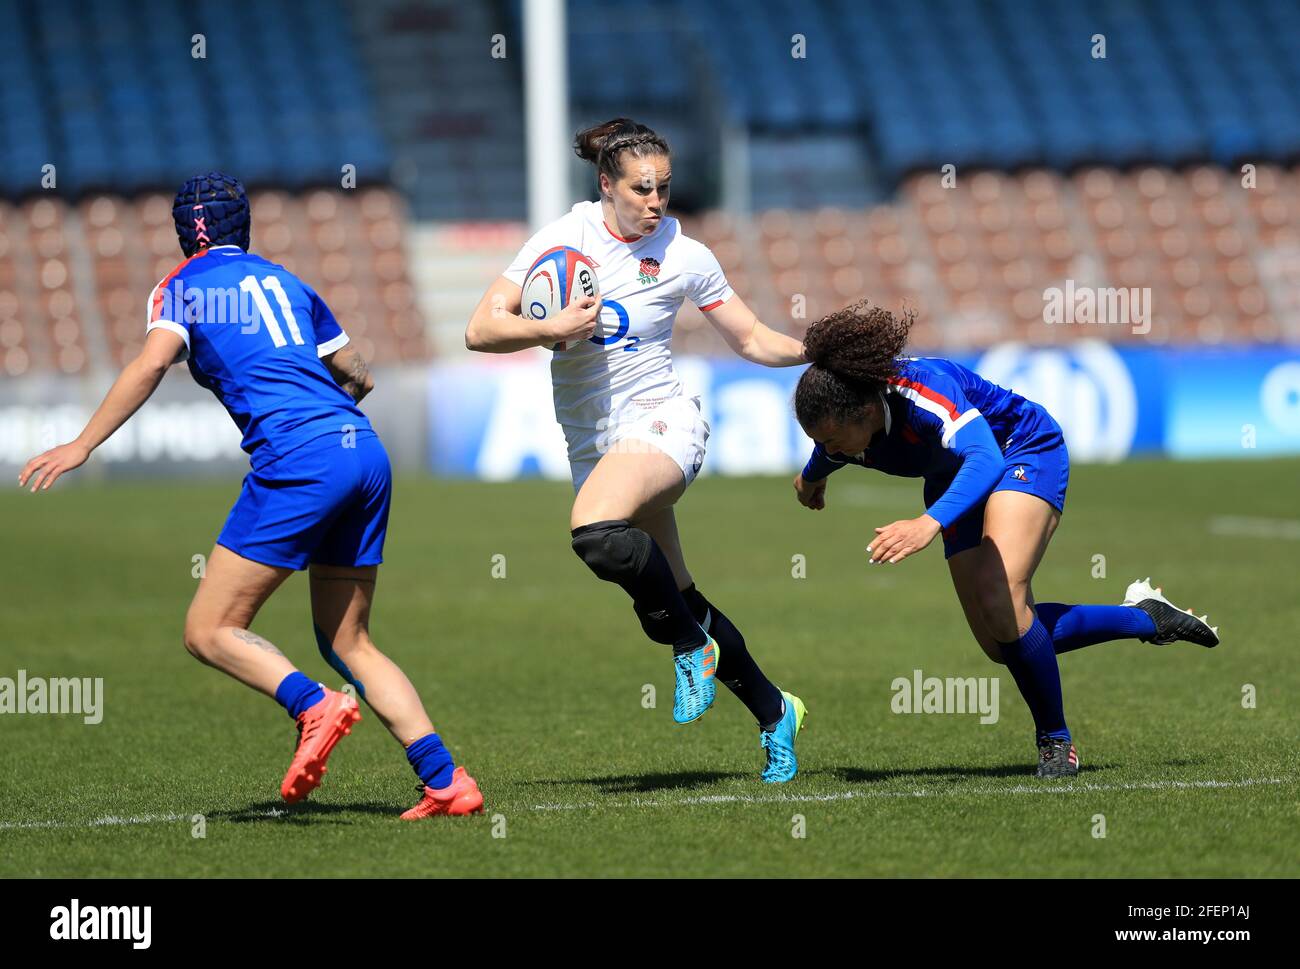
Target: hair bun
{"x": 600, "y": 144}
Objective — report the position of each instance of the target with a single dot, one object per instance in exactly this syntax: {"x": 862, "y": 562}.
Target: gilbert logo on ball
{"x": 558, "y": 276}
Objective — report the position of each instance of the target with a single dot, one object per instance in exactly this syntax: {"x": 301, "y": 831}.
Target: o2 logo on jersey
{"x": 624, "y": 324}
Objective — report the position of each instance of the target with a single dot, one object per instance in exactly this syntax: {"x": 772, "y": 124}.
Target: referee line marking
{"x": 116, "y": 820}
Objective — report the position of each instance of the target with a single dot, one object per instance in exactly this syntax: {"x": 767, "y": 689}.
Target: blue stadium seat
{"x": 107, "y": 93}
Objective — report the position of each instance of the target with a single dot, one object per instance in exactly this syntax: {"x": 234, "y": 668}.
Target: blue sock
{"x": 297, "y": 692}
{"x": 1074, "y": 627}
{"x": 431, "y": 761}
{"x": 1032, "y": 662}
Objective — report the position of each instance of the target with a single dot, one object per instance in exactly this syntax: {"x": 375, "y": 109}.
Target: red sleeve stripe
{"x": 928, "y": 394}
{"x": 155, "y": 304}
{"x": 712, "y": 306}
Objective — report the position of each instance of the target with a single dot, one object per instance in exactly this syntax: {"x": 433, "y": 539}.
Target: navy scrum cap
{"x": 211, "y": 210}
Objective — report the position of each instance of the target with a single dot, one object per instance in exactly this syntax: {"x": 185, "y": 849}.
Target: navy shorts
{"x": 1037, "y": 466}
{"x": 325, "y": 502}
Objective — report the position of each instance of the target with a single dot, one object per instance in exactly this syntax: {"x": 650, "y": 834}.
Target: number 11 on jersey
{"x": 249, "y": 284}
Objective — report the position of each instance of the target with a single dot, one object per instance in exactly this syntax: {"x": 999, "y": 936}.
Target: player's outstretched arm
{"x": 751, "y": 339}
{"x": 981, "y": 467}
{"x": 348, "y": 368}
{"x": 497, "y": 327}
{"x": 134, "y": 385}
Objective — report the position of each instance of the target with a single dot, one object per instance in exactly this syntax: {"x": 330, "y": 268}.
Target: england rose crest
{"x": 649, "y": 270}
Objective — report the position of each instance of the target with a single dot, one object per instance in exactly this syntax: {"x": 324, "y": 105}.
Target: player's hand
{"x": 576, "y": 322}
{"x": 811, "y": 494}
{"x": 898, "y": 540}
{"x": 45, "y": 469}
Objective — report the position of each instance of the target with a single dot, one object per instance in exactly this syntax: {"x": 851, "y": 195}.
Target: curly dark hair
{"x": 854, "y": 352}
{"x": 602, "y": 144}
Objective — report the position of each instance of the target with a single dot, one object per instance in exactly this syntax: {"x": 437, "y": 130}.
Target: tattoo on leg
{"x": 255, "y": 640}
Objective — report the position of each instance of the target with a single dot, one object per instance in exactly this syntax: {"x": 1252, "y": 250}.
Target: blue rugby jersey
{"x": 254, "y": 335}
{"x": 943, "y": 421}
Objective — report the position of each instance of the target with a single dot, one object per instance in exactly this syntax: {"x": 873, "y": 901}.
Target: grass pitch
{"x": 538, "y": 682}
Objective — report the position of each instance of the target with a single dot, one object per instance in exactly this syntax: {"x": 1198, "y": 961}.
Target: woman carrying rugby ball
{"x": 635, "y": 440}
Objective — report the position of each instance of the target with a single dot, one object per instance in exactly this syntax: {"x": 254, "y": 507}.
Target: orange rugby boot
{"x": 320, "y": 727}
{"x": 460, "y": 797}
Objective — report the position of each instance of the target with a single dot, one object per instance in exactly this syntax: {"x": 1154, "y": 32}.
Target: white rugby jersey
{"x": 626, "y": 364}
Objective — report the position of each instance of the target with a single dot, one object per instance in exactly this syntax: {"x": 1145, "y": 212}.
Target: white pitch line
{"x": 1050, "y": 788}
{"x": 114, "y": 820}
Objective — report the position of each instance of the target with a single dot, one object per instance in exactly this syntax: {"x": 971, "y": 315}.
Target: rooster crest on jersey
{"x": 211, "y": 210}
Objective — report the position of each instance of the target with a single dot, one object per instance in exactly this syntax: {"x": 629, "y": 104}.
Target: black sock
{"x": 736, "y": 668}
{"x": 618, "y": 552}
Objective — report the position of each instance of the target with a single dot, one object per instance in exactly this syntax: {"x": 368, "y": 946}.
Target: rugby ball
{"x": 558, "y": 276}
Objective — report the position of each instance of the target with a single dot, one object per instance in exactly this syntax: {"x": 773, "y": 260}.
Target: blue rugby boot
{"x": 696, "y": 684}
{"x": 782, "y": 764}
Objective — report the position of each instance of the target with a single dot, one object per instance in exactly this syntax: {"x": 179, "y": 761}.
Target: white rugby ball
{"x": 558, "y": 276}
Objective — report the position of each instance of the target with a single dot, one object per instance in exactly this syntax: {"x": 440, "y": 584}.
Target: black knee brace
{"x": 619, "y": 552}
{"x": 614, "y": 550}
